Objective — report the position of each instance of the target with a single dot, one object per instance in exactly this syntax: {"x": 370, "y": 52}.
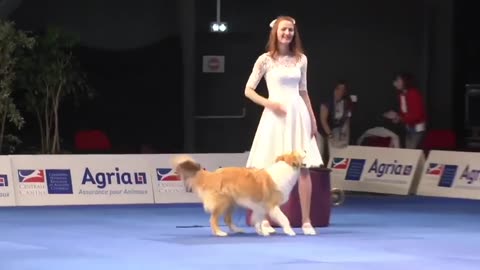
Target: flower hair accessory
{"x": 272, "y": 23}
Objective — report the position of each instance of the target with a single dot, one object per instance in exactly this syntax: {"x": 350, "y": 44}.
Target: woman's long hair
{"x": 295, "y": 45}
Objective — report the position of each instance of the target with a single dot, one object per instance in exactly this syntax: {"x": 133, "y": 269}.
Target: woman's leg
{"x": 305, "y": 194}
{"x": 413, "y": 139}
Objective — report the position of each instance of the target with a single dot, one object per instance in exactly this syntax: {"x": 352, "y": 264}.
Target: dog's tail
{"x": 185, "y": 166}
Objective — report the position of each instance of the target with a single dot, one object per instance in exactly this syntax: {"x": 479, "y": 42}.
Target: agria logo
{"x": 392, "y": 168}
{"x": 117, "y": 177}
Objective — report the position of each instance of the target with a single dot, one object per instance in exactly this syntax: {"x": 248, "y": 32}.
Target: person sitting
{"x": 335, "y": 120}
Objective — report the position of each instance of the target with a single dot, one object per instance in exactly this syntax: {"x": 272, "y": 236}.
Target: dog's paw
{"x": 269, "y": 229}
{"x": 289, "y": 232}
{"x": 237, "y": 230}
{"x": 261, "y": 231}
{"x": 221, "y": 233}
{"x": 266, "y": 227}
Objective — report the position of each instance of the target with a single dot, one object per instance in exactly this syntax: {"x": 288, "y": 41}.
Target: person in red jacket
{"x": 412, "y": 110}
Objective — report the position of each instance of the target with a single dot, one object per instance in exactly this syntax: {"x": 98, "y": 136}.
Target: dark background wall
{"x": 363, "y": 42}
{"x": 132, "y": 54}
{"x": 144, "y": 59}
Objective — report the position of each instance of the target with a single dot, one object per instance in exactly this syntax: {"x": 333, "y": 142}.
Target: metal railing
{"x": 238, "y": 116}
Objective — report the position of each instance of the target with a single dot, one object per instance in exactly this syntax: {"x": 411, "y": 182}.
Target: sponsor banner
{"x": 169, "y": 188}
{"x": 451, "y": 174}
{"x": 376, "y": 169}
{"x": 7, "y": 192}
{"x": 81, "y": 179}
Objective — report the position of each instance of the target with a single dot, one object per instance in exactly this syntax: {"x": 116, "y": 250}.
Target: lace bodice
{"x": 285, "y": 76}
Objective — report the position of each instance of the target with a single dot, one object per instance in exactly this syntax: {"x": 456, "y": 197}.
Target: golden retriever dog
{"x": 262, "y": 191}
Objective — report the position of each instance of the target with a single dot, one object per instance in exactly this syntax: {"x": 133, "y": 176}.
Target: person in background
{"x": 411, "y": 112}
{"x": 335, "y": 120}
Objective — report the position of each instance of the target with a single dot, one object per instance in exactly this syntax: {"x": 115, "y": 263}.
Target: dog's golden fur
{"x": 225, "y": 188}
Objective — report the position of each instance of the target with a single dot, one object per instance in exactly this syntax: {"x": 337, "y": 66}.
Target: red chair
{"x": 92, "y": 140}
{"x": 439, "y": 139}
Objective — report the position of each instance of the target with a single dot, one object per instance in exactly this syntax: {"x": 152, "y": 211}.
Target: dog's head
{"x": 185, "y": 166}
{"x": 294, "y": 159}
{"x": 187, "y": 169}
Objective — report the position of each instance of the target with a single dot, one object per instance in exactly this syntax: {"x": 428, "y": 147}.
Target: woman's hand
{"x": 277, "y": 108}
{"x": 391, "y": 115}
{"x": 396, "y": 119}
{"x": 314, "y": 128}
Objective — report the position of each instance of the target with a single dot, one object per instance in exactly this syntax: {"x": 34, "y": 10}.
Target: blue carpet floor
{"x": 367, "y": 232}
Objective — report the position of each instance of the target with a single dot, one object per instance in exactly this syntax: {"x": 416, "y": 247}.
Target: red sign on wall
{"x": 213, "y": 64}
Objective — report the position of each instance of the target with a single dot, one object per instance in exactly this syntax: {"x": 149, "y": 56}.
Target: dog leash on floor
{"x": 237, "y": 221}
{"x": 189, "y": 226}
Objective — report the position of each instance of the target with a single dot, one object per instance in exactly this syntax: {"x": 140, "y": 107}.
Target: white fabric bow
{"x": 272, "y": 23}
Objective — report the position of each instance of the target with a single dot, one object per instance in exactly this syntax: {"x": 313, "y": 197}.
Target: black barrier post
{"x": 186, "y": 20}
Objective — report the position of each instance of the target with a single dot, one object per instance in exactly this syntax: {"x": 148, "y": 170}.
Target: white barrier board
{"x": 81, "y": 179}
{"x": 451, "y": 174}
{"x": 7, "y": 192}
{"x": 169, "y": 188}
{"x": 376, "y": 169}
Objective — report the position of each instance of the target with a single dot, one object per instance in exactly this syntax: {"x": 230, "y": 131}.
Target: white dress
{"x": 277, "y": 135}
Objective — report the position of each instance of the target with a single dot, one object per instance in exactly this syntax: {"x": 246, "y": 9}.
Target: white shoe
{"x": 289, "y": 231}
{"x": 308, "y": 229}
{"x": 221, "y": 233}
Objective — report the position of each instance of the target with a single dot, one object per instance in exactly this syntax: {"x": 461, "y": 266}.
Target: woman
{"x": 335, "y": 119}
{"x": 412, "y": 111}
{"x": 287, "y": 122}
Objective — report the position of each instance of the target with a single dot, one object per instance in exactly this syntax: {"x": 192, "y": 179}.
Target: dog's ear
{"x": 197, "y": 166}
{"x": 300, "y": 162}
{"x": 191, "y": 165}
{"x": 300, "y": 156}
{"x": 280, "y": 158}
{"x": 297, "y": 160}
{"x": 289, "y": 159}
